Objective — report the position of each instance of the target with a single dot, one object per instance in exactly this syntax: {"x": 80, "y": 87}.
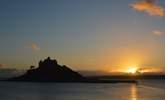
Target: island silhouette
{"x": 49, "y": 70}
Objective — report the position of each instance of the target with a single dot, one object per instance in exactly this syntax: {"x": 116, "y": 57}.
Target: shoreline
{"x": 86, "y": 81}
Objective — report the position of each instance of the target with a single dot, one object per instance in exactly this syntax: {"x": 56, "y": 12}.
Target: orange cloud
{"x": 157, "y": 32}
{"x": 2, "y": 65}
{"x": 34, "y": 47}
{"x": 149, "y": 6}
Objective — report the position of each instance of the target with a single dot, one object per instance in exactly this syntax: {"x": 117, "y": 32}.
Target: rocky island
{"x": 49, "y": 70}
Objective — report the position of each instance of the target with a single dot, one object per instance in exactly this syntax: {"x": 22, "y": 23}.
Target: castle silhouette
{"x": 50, "y": 71}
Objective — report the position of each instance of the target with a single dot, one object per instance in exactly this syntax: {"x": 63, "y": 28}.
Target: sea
{"x": 144, "y": 90}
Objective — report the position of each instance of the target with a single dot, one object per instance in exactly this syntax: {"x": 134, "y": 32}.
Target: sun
{"x": 132, "y": 70}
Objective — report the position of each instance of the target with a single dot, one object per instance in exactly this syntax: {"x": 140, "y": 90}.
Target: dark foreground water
{"x": 146, "y": 90}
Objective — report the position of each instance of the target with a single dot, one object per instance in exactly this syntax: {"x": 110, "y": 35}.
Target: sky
{"x": 83, "y": 34}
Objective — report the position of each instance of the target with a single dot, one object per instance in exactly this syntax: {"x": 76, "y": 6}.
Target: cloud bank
{"x": 149, "y": 6}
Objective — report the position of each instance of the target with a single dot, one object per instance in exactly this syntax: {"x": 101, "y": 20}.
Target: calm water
{"x": 146, "y": 90}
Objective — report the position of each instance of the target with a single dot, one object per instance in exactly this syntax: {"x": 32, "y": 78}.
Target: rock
{"x": 50, "y": 71}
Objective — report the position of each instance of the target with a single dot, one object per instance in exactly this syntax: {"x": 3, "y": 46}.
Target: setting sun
{"x": 132, "y": 70}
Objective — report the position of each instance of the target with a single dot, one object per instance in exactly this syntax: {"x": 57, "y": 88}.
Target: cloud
{"x": 10, "y": 72}
{"x": 149, "y": 6}
{"x": 2, "y": 65}
{"x": 157, "y": 32}
{"x": 34, "y": 47}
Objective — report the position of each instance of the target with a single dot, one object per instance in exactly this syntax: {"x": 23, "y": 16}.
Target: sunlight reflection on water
{"x": 78, "y": 91}
{"x": 133, "y": 88}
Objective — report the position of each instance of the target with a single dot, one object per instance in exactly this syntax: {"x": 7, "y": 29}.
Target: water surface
{"x": 80, "y": 91}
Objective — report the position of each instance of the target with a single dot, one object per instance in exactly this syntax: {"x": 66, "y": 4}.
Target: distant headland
{"x": 49, "y": 70}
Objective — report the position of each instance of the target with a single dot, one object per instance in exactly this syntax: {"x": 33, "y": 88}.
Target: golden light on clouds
{"x": 132, "y": 58}
{"x": 149, "y": 6}
{"x": 157, "y": 32}
{"x": 34, "y": 47}
{"x": 124, "y": 58}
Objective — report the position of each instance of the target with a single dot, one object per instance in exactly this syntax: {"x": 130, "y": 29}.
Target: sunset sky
{"x": 83, "y": 34}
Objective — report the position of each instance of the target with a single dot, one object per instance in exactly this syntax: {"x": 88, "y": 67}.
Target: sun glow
{"x": 132, "y": 70}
